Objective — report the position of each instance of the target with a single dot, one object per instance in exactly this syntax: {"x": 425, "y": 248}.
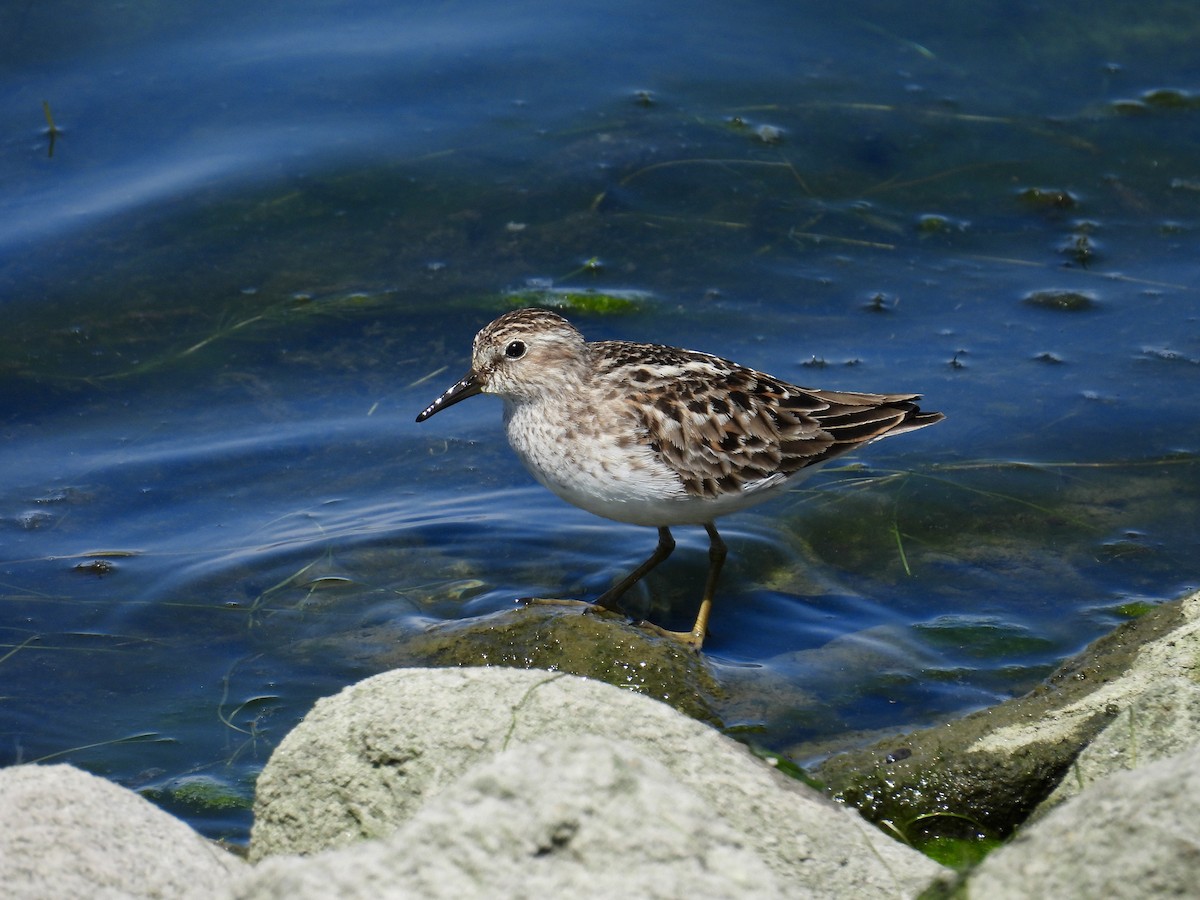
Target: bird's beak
{"x": 469, "y": 386}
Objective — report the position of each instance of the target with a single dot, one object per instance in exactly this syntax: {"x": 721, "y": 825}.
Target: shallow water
{"x": 261, "y": 239}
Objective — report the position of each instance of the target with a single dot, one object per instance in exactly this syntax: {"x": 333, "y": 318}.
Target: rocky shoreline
{"x": 505, "y": 782}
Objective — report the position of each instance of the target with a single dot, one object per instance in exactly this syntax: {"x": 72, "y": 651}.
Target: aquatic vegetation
{"x": 200, "y": 794}
{"x": 1047, "y": 199}
{"x": 953, "y": 839}
{"x": 574, "y": 300}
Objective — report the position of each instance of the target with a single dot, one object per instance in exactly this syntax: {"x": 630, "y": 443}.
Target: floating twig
{"x": 52, "y": 129}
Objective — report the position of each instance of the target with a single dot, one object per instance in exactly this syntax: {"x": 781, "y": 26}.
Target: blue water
{"x": 261, "y": 239}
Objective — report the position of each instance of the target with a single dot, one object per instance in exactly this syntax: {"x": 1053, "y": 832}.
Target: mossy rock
{"x": 199, "y": 793}
{"x": 960, "y": 773}
{"x": 579, "y": 640}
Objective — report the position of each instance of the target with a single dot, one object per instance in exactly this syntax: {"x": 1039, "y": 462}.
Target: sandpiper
{"x": 660, "y": 436}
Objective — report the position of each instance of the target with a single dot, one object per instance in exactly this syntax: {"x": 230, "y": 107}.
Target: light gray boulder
{"x": 363, "y": 763}
{"x": 1134, "y": 834}
{"x": 66, "y": 833}
{"x": 1163, "y": 720}
{"x": 573, "y": 817}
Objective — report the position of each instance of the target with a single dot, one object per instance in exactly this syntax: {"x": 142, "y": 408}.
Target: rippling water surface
{"x": 256, "y": 239}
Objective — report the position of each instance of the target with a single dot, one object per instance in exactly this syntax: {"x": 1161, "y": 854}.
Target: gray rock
{"x": 65, "y": 833}
{"x": 1162, "y": 721}
{"x": 996, "y": 765}
{"x": 574, "y": 817}
{"x": 1121, "y": 673}
{"x": 595, "y": 644}
{"x": 364, "y": 762}
{"x": 1135, "y": 834}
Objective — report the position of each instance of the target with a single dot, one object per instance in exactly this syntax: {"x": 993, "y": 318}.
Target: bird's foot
{"x": 693, "y": 640}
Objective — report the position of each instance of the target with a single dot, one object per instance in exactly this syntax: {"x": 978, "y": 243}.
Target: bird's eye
{"x": 515, "y": 350}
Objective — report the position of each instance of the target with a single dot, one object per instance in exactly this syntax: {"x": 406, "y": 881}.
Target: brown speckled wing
{"x": 724, "y": 428}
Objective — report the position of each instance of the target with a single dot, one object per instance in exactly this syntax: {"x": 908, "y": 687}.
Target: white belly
{"x": 588, "y": 468}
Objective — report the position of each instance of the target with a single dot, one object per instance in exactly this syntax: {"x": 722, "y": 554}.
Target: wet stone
{"x": 1066, "y": 301}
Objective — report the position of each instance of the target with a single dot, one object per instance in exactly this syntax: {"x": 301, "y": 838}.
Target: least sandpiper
{"x": 660, "y": 436}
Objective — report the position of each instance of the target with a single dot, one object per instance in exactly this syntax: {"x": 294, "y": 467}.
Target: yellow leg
{"x": 716, "y": 559}
{"x": 609, "y": 600}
